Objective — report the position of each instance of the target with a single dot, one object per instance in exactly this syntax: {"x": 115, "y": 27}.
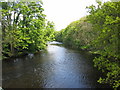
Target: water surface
{"x": 57, "y": 67}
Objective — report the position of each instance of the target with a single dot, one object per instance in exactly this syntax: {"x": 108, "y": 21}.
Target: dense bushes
{"x": 24, "y": 28}
{"x": 99, "y": 33}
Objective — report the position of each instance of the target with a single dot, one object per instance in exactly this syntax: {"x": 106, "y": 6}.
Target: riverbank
{"x": 24, "y": 53}
{"x": 98, "y": 33}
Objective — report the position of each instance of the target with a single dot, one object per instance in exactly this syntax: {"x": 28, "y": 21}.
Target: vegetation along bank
{"x": 24, "y": 28}
{"x": 99, "y": 33}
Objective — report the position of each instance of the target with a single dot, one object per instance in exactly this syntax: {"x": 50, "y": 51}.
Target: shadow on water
{"x": 58, "y": 67}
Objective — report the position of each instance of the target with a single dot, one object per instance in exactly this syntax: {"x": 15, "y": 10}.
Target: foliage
{"x": 77, "y": 35}
{"x": 99, "y": 33}
{"x": 24, "y": 28}
{"x": 106, "y": 20}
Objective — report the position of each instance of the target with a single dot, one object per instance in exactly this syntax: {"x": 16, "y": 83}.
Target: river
{"x": 56, "y": 67}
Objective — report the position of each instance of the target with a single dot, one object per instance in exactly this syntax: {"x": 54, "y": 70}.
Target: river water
{"x": 57, "y": 67}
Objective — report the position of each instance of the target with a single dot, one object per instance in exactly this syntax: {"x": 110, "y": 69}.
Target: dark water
{"x": 58, "y": 67}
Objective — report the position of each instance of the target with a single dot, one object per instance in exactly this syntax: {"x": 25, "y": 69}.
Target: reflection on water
{"x": 58, "y": 67}
{"x": 54, "y": 42}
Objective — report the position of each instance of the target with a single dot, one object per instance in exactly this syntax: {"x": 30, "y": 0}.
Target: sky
{"x": 63, "y": 12}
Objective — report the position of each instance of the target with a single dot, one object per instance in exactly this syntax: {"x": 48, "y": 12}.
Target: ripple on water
{"x": 58, "y": 67}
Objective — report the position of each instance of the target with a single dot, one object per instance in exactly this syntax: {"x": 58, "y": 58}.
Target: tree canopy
{"x": 25, "y": 28}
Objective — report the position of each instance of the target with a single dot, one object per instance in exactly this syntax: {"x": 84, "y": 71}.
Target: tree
{"x": 105, "y": 20}
{"x": 24, "y": 27}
